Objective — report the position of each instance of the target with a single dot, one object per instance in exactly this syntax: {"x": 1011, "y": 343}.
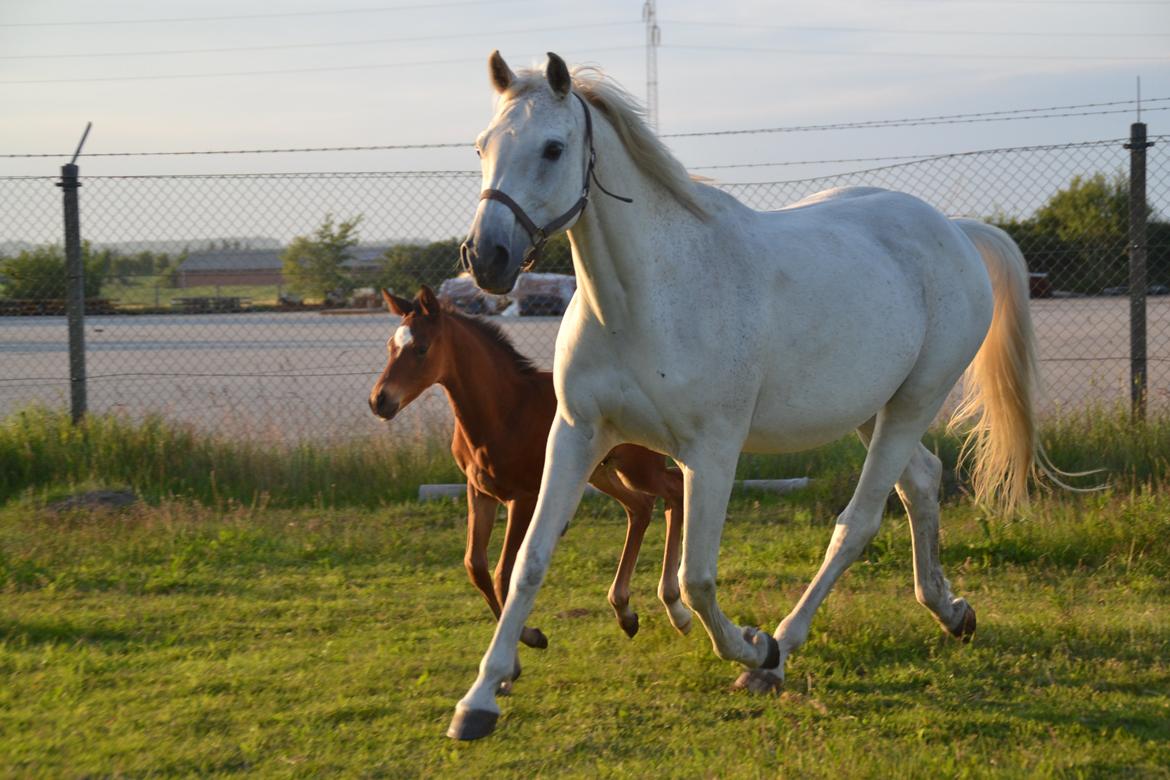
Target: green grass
{"x": 279, "y": 610}
{"x": 180, "y": 640}
{"x": 151, "y": 292}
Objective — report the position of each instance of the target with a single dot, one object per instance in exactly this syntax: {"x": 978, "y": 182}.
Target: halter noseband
{"x": 540, "y": 235}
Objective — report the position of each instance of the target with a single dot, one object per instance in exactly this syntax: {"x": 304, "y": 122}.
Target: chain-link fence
{"x": 247, "y": 303}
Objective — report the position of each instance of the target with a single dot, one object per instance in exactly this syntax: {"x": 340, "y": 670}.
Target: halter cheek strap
{"x": 539, "y": 235}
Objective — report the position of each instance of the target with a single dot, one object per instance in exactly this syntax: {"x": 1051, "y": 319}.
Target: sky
{"x": 177, "y": 75}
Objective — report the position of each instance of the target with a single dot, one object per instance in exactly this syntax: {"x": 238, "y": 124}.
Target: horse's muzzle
{"x": 493, "y": 270}
{"x": 382, "y": 407}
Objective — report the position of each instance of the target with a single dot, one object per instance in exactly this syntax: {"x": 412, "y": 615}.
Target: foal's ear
{"x": 558, "y": 75}
{"x": 499, "y": 72}
{"x": 399, "y": 306}
{"x": 428, "y": 302}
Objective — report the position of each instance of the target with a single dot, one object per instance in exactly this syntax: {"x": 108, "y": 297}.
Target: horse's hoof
{"x": 966, "y": 626}
{"x": 684, "y": 628}
{"x": 472, "y": 724}
{"x": 534, "y": 638}
{"x": 629, "y": 625}
{"x": 758, "y": 681}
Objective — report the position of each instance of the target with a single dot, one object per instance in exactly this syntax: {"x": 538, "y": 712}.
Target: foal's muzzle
{"x": 383, "y": 407}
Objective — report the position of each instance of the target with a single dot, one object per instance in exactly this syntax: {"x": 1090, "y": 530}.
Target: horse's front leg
{"x": 519, "y": 517}
{"x": 571, "y": 455}
{"x": 707, "y": 482}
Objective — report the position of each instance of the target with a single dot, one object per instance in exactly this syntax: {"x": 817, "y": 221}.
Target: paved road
{"x": 290, "y": 375}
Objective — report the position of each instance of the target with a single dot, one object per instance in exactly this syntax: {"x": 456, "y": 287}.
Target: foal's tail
{"x": 1002, "y": 448}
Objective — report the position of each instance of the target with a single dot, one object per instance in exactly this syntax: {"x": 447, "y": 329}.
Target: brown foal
{"x": 503, "y": 410}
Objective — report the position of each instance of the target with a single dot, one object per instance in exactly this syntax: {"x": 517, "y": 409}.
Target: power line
{"x": 285, "y": 14}
{"x": 986, "y": 116}
{"x": 917, "y": 55}
{"x": 281, "y": 47}
{"x": 892, "y": 31}
{"x": 273, "y": 72}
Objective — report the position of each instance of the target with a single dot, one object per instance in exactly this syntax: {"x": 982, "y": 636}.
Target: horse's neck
{"x": 614, "y": 243}
{"x": 480, "y": 380}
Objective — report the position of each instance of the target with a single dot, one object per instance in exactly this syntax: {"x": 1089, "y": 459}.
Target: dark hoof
{"x": 472, "y": 724}
{"x": 630, "y": 626}
{"x": 534, "y": 638}
{"x": 755, "y": 637}
{"x": 966, "y": 627}
{"x": 758, "y": 681}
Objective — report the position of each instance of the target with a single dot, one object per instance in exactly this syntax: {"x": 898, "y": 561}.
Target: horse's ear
{"x": 501, "y": 75}
{"x": 428, "y": 302}
{"x": 558, "y": 75}
{"x": 399, "y": 306}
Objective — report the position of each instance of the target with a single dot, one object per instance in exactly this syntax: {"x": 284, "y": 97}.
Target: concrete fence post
{"x": 1137, "y": 268}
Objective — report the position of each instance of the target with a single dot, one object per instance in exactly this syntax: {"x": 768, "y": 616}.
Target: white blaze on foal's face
{"x": 402, "y": 338}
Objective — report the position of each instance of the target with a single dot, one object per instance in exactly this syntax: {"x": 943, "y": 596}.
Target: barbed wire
{"x": 984, "y": 116}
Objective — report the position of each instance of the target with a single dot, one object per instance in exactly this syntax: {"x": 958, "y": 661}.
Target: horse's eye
{"x": 477, "y": 152}
{"x": 422, "y": 349}
{"x": 553, "y": 150}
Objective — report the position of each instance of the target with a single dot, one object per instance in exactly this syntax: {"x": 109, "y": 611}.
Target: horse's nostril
{"x": 500, "y": 258}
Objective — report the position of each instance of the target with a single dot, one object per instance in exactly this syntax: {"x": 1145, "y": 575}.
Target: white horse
{"x": 702, "y": 328}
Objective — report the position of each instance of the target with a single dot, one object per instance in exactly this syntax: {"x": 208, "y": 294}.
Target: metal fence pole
{"x": 74, "y": 289}
{"x": 1137, "y": 268}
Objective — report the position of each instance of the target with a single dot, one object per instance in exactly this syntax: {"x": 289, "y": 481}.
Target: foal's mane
{"x": 494, "y": 334}
{"x": 628, "y": 118}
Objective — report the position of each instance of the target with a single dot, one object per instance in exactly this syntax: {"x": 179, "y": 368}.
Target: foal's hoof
{"x": 534, "y": 638}
{"x": 472, "y": 724}
{"x": 965, "y": 629}
{"x": 629, "y": 625}
{"x": 758, "y": 681}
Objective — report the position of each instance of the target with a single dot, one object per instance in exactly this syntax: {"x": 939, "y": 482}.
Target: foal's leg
{"x": 707, "y": 488}
{"x": 571, "y": 456}
{"x": 519, "y": 516}
{"x": 895, "y": 439}
{"x": 646, "y": 472}
{"x": 668, "y": 589}
{"x": 638, "y": 508}
{"x": 481, "y": 516}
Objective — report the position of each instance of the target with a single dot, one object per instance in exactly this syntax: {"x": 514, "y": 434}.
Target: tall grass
{"x": 41, "y": 450}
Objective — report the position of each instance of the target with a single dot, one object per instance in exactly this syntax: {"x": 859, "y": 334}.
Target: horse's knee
{"x": 698, "y": 590}
{"x": 477, "y": 568}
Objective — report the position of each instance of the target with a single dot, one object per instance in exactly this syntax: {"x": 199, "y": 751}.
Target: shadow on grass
{"x": 41, "y": 633}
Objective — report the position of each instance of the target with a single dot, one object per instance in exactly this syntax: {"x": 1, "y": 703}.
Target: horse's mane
{"x": 629, "y": 120}
{"x": 495, "y": 335}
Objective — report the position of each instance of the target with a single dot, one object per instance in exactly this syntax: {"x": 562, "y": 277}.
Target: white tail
{"x": 1002, "y": 447}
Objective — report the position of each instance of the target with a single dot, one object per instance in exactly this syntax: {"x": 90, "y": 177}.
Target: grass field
{"x": 203, "y": 634}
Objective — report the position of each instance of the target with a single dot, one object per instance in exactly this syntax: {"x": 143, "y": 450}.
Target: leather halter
{"x": 540, "y": 235}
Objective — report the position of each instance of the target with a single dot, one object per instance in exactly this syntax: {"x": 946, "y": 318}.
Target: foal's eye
{"x": 422, "y": 349}
{"x": 553, "y": 150}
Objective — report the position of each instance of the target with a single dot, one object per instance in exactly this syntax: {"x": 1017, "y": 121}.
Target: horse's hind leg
{"x": 896, "y": 437}
{"x": 918, "y": 488}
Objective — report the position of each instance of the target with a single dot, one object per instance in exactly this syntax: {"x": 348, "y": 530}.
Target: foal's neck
{"x": 483, "y": 382}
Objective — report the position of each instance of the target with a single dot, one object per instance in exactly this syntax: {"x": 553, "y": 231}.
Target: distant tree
{"x": 39, "y": 274}
{"x": 404, "y": 267}
{"x": 312, "y": 265}
{"x": 1079, "y": 237}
